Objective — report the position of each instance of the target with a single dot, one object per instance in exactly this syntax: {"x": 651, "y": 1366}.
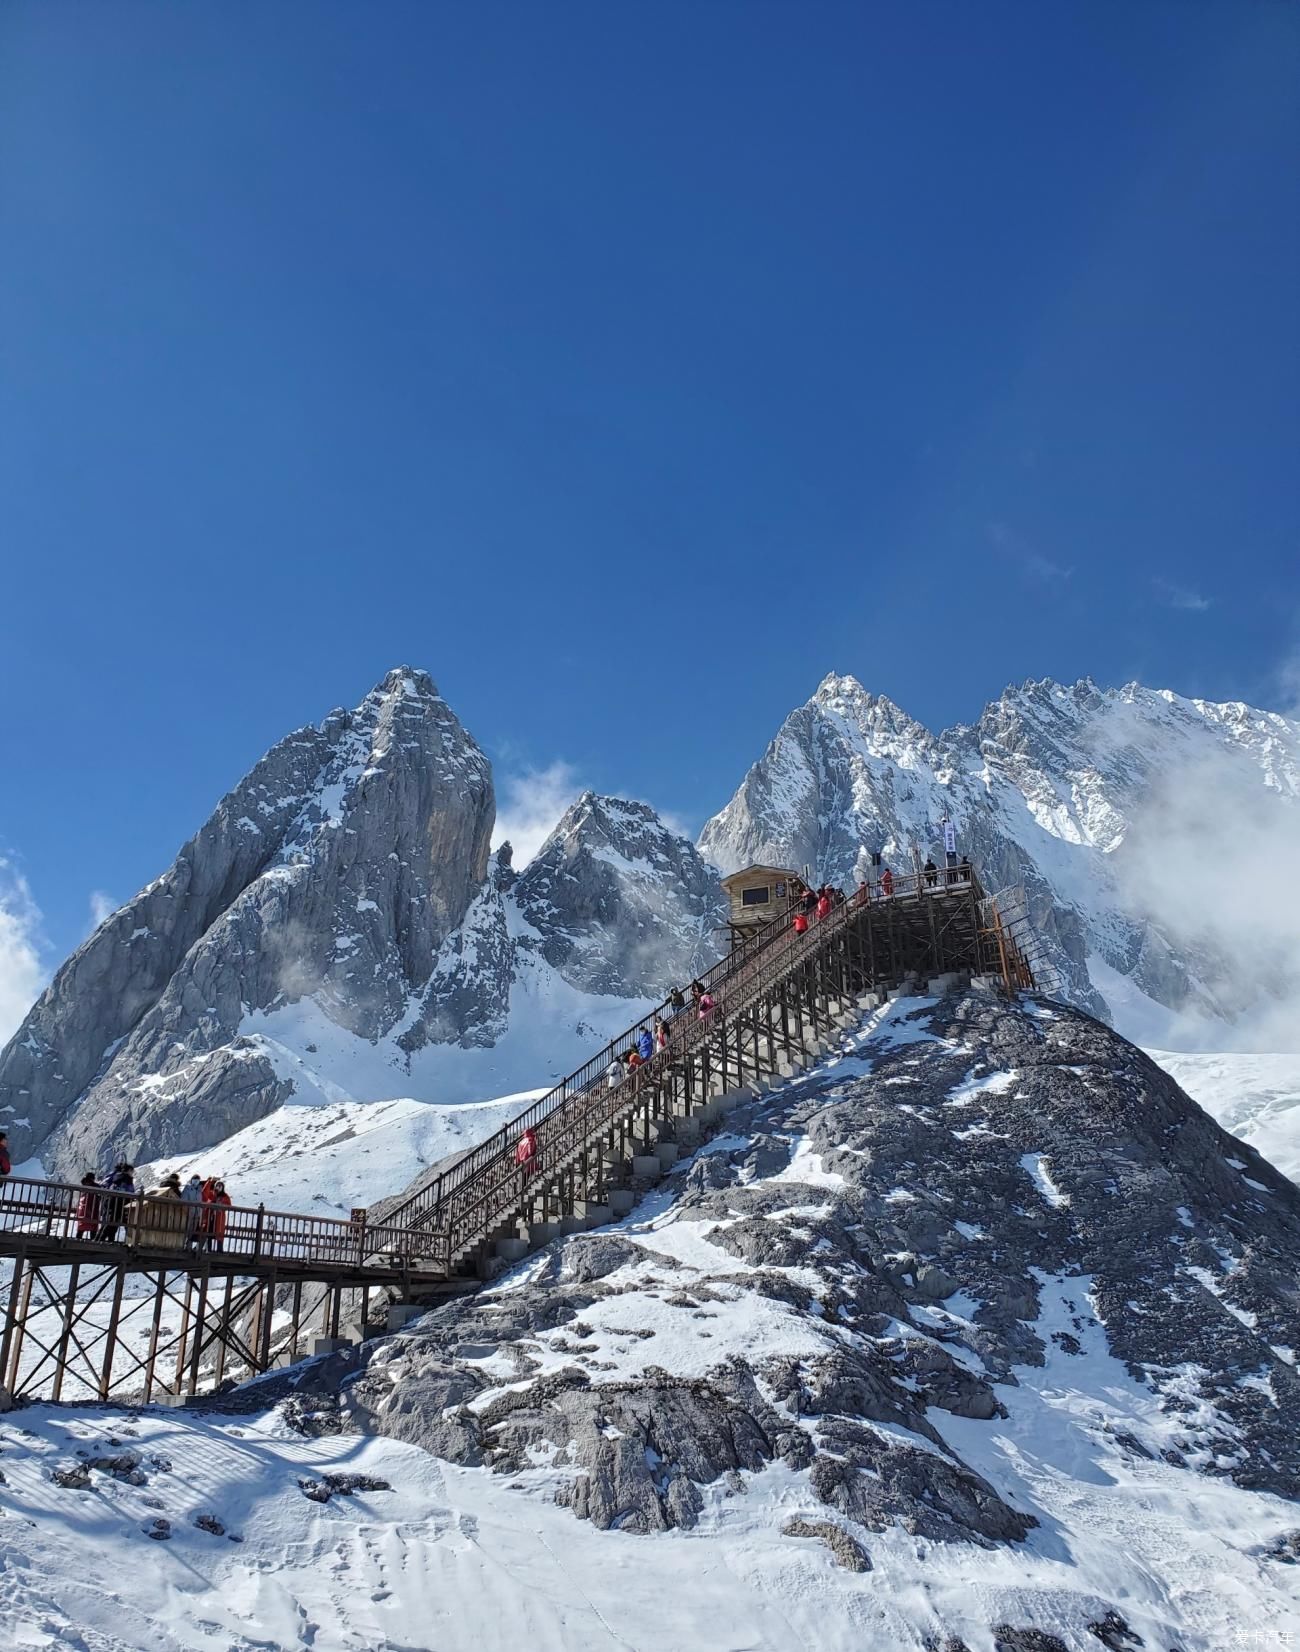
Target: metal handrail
{"x": 35, "y": 1209}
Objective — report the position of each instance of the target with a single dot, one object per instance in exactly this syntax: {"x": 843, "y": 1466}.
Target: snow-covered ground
{"x": 553, "y": 1028}
{"x": 456, "y": 1560}
{"x": 327, "y": 1157}
{"x": 1257, "y": 1097}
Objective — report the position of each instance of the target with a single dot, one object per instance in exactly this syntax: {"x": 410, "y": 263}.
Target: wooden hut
{"x": 756, "y": 895}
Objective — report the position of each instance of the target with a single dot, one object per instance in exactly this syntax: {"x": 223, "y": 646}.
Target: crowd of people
{"x": 170, "y": 1216}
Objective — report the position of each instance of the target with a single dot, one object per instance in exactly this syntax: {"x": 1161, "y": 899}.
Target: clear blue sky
{"x": 568, "y": 349}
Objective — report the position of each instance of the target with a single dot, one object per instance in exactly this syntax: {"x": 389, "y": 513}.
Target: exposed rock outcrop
{"x": 976, "y": 1191}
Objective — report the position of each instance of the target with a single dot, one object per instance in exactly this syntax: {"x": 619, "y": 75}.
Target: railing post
{"x": 257, "y": 1233}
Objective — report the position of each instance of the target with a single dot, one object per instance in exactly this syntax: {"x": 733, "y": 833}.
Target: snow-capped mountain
{"x": 1149, "y": 831}
{"x": 337, "y": 932}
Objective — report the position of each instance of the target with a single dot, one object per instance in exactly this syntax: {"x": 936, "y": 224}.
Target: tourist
{"x": 887, "y": 883}
{"x": 5, "y": 1163}
{"x": 614, "y": 1074}
{"x": 645, "y": 1044}
{"x": 216, "y": 1202}
{"x": 121, "y": 1182}
{"x": 192, "y": 1194}
{"x": 526, "y": 1155}
{"x": 801, "y": 922}
{"x": 931, "y": 873}
{"x": 88, "y": 1208}
{"x": 823, "y": 906}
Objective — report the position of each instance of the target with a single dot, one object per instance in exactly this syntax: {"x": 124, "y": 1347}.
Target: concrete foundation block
{"x": 316, "y": 1346}
{"x": 647, "y": 1166}
{"x": 512, "y": 1250}
{"x": 541, "y": 1233}
{"x": 572, "y": 1224}
{"x": 596, "y": 1216}
{"x": 621, "y": 1199}
{"x": 400, "y": 1314}
{"x": 182, "y": 1402}
{"x": 666, "y": 1153}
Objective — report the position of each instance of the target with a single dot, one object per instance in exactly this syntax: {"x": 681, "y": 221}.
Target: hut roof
{"x": 758, "y": 871}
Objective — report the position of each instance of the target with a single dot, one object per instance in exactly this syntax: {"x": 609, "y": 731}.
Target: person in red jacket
{"x": 212, "y": 1222}
{"x": 526, "y": 1155}
{"x": 800, "y": 923}
{"x": 886, "y": 883}
{"x": 823, "y": 907}
{"x": 87, "y": 1208}
{"x": 5, "y": 1165}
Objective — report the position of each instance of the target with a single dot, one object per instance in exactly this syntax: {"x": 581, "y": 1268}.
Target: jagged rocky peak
{"x": 874, "y": 717}
{"x": 334, "y": 871}
{"x": 619, "y": 903}
{"x": 986, "y": 1222}
{"x": 1085, "y": 797}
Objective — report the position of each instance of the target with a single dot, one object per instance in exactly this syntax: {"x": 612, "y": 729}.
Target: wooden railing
{"x": 160, "y": 1226}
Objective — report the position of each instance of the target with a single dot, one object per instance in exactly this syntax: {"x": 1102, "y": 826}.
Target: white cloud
{"x": 1180, "y": 596}
{"x": 533, "y": 802}
{"x": 101, "y": 906}
{"x": 1028, "y": 558}
{"x": 22, "y": 974}
{"x": 1211, "y": 860}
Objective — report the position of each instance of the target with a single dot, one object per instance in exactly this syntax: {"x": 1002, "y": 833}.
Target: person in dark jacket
{"x": 931, "y": 873}
{"x": 6, "y": 1164}
{"x": 121, "y": 1181}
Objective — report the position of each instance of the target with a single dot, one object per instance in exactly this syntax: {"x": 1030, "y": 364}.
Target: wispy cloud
{"x": 22, "y": 974}
{"x": 1028, "y": 558}
{"x": 532, "y": 802}
{"x": 101, "y": 906}
{"x": 1288, "y": 685}
{"x": 1179, "y": 596}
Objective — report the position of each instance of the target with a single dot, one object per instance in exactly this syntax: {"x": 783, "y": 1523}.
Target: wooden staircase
{"x": 781, "y": 1001}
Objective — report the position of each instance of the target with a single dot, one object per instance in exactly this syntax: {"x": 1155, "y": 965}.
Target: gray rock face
{"x": 336, "y": 869}
{"x": 623, "y": 905}
{"x": 1071, "y": 793}
{"x": 348, "y": 873}
{"x": 889, "y": 1243}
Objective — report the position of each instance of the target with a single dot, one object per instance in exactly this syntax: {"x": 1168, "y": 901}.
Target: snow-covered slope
{"x": 1151, "y": 833}
{"x": 1257, "y": 1097}
{"x": 977, "y": 1338}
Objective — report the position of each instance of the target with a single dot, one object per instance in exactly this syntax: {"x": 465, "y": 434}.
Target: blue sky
{"x": 628, "y": 367}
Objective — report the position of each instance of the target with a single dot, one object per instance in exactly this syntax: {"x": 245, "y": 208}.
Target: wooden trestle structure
{"x": 147, "y": 1310}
